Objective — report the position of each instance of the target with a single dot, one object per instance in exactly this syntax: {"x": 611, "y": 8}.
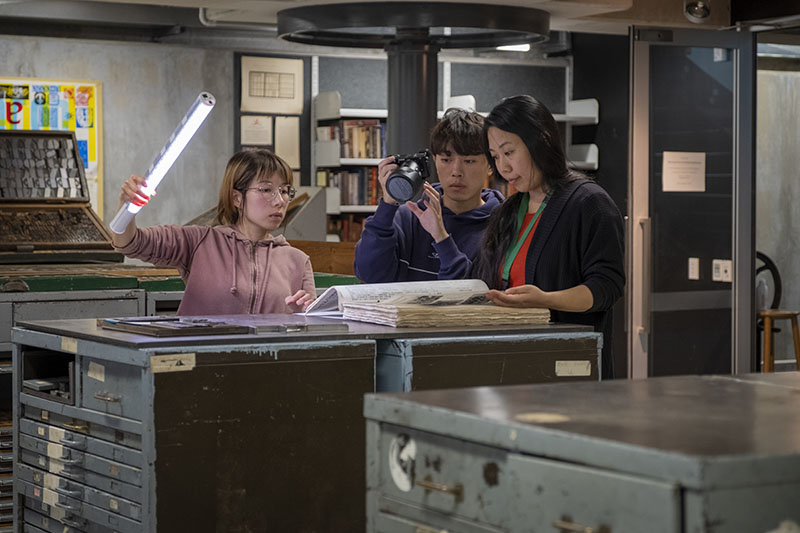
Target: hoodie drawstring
{"x": 234, "y": 290}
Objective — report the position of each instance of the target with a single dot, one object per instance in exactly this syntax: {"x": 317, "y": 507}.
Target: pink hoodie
{"x": 225, "y": 273}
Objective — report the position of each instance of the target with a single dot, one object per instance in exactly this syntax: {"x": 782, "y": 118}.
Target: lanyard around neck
{"x": 512, "y": 252}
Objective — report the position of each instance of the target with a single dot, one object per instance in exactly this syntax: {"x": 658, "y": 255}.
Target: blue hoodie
{"x": 395, "y": 247}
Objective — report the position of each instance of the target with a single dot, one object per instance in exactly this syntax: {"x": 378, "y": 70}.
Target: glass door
{"x": 691, "y": 210}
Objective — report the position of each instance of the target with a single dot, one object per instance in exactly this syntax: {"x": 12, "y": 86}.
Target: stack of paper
{"x": 415, "y": 315}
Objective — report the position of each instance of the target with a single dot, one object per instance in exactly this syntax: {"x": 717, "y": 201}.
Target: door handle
{"x": 644, "y": 324}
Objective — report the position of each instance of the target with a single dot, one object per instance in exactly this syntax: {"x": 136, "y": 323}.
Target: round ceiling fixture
{"x": 378, "y": 24}
{"x": 697, "y": 11}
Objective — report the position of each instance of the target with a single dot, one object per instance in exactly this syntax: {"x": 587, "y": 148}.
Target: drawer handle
{"x": 73, "y": 443}
{"x": 66, "y": 506}
{"x": 567, "y": 526}
{"x": 72, "y": 522}
{"x": 106, "y": 397}
{"x": 426, "y": 529}
{"x": 71, "y": 462}
{"x": 70, "y": 493}
{"x": 76, "y": 427}
{"x": 456, "y": 490}
{"x": 72, "y": 475}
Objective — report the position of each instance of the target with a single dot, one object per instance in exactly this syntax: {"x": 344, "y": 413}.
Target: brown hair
{"x": 242, "y": 169}
{"x": 461, "y": 129}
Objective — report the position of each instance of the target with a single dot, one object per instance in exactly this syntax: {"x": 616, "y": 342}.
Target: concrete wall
{"x": 147, "y": 88}
{"x": 778, "y": 187}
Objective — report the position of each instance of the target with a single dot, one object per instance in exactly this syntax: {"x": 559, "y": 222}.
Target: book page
{"x": 457, "y": 290}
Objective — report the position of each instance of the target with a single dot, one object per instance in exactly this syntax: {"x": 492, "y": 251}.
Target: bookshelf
{"x": 348, "y": 145}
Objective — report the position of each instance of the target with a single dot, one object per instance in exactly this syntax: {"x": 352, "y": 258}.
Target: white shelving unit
{"x": 580, "y": 113}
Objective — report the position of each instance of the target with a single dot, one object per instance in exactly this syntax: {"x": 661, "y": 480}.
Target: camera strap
{"x": 512, "y": 252}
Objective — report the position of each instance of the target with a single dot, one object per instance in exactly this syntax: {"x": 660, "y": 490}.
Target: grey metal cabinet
{"x": 680, "y": 454}
{"x": 231, "y": 433}
{"x": 260, "y": 431}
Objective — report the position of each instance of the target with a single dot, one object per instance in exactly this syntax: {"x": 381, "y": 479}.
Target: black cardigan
{"x": 579, "y": 240}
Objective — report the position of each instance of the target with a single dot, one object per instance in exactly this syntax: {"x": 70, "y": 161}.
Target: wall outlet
{"x": 722, "y": 270}
{"x": 694, "y": 268}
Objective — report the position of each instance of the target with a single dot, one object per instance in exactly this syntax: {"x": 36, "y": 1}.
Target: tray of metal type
{"x": 45, "y": 211}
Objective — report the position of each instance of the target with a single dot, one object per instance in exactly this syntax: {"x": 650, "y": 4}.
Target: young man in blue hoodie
{"x": 438, "y": 236}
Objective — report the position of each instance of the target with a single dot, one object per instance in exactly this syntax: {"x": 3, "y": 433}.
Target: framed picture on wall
{"x": 51, "y": 104}
{"x": 272, "y": 85}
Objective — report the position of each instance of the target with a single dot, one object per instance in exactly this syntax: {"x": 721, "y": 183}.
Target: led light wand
{"x": 188, "y": 126}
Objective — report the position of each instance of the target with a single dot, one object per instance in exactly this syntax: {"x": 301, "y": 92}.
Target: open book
{"x": 439, "y": 292}
{"x": 422, "y": 303}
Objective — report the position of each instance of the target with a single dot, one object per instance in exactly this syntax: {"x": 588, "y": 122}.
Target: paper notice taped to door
{"x": 683, "y": 172}
{"x": 175, "y": 362}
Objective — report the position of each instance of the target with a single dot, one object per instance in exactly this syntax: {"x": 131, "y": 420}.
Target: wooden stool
{"x": 769, "y": 316}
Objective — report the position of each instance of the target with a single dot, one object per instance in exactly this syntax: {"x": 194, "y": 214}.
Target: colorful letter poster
{"x": 39, "y": 104}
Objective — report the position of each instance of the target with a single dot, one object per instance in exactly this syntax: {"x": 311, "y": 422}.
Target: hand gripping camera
{"x": 405, "y": 183}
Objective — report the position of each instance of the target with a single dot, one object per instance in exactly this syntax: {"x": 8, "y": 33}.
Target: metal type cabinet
{"x": 233, "y": 433}
{"x": 18, "y": 306}
{"x": 403, "y": 365}
{"x": 680, "y": 454}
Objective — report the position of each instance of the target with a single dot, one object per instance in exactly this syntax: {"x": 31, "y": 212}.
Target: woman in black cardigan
{"x": 557, "y": 243}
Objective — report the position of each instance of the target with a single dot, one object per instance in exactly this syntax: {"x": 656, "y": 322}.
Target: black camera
{"x": 405, "y": 183}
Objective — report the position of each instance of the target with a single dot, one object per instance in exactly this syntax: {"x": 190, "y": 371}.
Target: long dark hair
{"x": 529, "y": 119}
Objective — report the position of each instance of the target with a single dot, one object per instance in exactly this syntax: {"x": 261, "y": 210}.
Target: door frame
{"x": 638, "y": 246}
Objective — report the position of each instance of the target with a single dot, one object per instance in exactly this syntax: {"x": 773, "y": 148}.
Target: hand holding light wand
{"x": 188, "y": 126}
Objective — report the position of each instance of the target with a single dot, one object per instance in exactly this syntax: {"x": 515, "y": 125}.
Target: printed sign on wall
{"x": 41, "y": 104}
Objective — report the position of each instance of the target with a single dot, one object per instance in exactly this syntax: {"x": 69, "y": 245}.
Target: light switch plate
{"x": 722, "y": 270}
{"x": 694, "y": 268}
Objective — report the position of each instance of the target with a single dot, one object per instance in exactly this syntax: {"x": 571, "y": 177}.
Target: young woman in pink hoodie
{"x": 237, "y": 267}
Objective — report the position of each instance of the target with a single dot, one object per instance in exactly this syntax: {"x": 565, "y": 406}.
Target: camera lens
{"x": 406, "y": 181}
{"x": 400, "y": 187}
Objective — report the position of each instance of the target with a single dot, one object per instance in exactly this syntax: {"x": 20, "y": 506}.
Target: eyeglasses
{"x": 269, "y": 192}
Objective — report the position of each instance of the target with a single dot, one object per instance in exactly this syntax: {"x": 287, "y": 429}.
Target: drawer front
{"x": 83, "y": 427}
{"x": 387, "y": 523}
{"x": 80, "y": 475}
{"x": 79, "y": 509}
{"x": 80, "y": 442}
{"x": 57, "y": 520}
{"x": 76, "y": 461}
{"x": 429, "y": 472}
{"x": 58, "y": 309}
{"x": 550, "y": 495}
{"x": 82, "y": 492}
{"x": 112, "y": 388}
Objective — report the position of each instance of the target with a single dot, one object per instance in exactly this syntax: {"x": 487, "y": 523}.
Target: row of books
{"x": 347, "y": 227}
{"x": 356, "y": 186}
{"x": 360, "y": 139}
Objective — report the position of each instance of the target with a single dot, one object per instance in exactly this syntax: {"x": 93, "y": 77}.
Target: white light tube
{"x": 188, "y": 126}
{"x": 515, "y": 48}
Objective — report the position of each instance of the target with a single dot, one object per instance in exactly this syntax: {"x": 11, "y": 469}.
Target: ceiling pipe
{"x": 202, "y": 16}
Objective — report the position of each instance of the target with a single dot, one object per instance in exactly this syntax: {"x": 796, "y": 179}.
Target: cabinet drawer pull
{"x": 426, "y": 529}
{"x": 106, "y": 397}
{"x": 76, "y": 427}
{"x": 456, "y": 490}
{"x": 70, "y": 493}
{"x": 567, "y": 526}
{"x": 71, "y": 521}
{"x": 71, "y": 462}
{"x": 66, "y": 506}
{"x": 72, "y": 443}
{"x": 76, "y": 476}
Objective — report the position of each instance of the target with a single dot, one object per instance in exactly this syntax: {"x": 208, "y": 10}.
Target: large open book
{"x": 421, "y": 303}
